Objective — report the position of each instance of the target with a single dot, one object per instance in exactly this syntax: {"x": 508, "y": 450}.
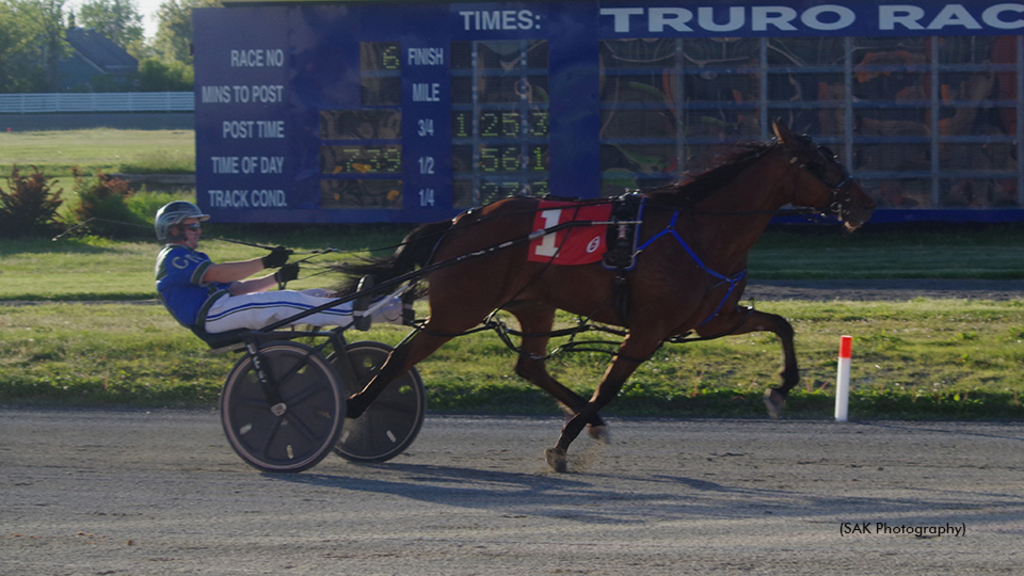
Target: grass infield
{"x": 91, "y": 333}
{"x": 917, "y": 359}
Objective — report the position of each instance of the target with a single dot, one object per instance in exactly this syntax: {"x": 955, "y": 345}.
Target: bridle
{"x": 839, "y": 203}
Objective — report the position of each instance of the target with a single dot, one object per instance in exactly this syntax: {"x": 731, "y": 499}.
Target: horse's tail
{"x": 414, "y": 252}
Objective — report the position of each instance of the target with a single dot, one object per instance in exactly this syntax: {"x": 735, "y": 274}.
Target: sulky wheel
{"x": 293, "y": 425}
{"x": 392, "y": 421}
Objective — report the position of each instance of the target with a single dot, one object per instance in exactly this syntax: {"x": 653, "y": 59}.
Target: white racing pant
{"x": 259, "y": 309}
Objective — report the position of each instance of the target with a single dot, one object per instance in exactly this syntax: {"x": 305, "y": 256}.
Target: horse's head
{"x": 822, "y": 182}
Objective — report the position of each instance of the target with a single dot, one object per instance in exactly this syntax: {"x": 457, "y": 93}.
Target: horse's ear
{"x": 783, "y": 133}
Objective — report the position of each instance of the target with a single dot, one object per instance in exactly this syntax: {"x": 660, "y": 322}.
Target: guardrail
{"x": 97, "y": 102}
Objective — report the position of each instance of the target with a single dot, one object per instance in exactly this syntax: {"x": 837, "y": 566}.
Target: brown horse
{"x": 688, "y": 277}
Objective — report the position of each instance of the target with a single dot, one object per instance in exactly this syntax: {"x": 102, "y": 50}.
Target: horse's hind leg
{"x": 754, "y": 321}
{"x": 400, "y": 361}
{"x": 536, "y": 318}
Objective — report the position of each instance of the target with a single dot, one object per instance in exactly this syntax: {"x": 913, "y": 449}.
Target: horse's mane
{"x": 691, "y": 189}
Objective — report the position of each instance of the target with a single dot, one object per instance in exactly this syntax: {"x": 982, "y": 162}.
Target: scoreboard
{"x": 319, "y": 112}
{"x": 386, "y": 112}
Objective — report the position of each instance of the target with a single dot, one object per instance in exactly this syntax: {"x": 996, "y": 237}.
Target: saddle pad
{"x": 571, "y": 246}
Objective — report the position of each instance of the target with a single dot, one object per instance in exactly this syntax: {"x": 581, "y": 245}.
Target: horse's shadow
{"x": 583, "y": 499}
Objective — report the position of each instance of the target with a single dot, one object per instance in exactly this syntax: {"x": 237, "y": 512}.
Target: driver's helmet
{"x": 175, "y": 213}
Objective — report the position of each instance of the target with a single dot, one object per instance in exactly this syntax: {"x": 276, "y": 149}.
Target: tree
{"x": 19, "y": 67}
{"x": 118, "y": 20}
{"x": 173, "y": 40}
{"x": 46, "y": 21}
{"x": 157, "y": 75}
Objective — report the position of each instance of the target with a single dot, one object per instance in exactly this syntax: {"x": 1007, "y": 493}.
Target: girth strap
{"x": 732, "y": 281}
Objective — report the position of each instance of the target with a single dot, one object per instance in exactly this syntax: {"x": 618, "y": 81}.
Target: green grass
{"x": 90, "y": 268}
{"x": 921, "y": 359}
{"x": 109, "y": 150}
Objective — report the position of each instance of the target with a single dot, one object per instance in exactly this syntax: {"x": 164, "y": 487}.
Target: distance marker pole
{"x": 843, "y": 378}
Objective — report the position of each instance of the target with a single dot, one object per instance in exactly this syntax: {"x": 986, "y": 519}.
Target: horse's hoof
{"x": 774, "y": 401}
{"x": 601, "y": 433}
{"x": 556, "y": 459}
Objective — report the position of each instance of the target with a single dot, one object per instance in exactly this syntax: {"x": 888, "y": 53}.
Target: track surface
{"x": 134, "y": 492}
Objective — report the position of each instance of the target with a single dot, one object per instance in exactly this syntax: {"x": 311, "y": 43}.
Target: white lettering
{"x": 270, "y": 128}
{"x": 826, "y": 17}
{"x": 225, "y": 164}
{"x": 247, "y": 58}
{"x": 422, "y": 92}
{"x": 216, "y": 94}
{"x": 268, "y": 94}
{"x": 237, "y": 129}
{"x": 547, "y": 245}
{"x": 490, "y": 21}
{"x": 954, "y": 15}
{"x": 779, "y": 16}
{"x": 228, "y": 198}
{"x": 508, "y": 20}
{"x": 275, "y": 57}
{"x": 272, "y": 165}
{"x": 526, "y": 20}
{"x": 269, "y": 199}
{"x": 426, "y": 56}
{"x": 991, "y": 16}
{"x": 674, "y": 18}
{"x": 248, "y": 164}
{"x": 904, "y": 15}
{"x": 706, "y": 19}
{"x": 844, "y": 17}
{"x": 621, "y": 16}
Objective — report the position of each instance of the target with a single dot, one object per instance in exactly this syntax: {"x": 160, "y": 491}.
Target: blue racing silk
{"x": 179, "y": 284}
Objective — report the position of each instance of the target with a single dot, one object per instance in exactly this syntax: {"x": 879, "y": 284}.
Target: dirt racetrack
{"x": 132, "y": 492}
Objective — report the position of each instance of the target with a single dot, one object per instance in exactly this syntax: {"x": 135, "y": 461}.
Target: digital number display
{"x": 499, "y": 120}
{"x": 503, "y": 124}
{"x": 360, "y": 124}
{"x": 375, "y": 56}
{"x": 490, "y": 189}
{"x": 382, "y": 159}
{"x": 380, "y": 67}
{"x": 500, "y": 158}
{"x": 360, "y": 193}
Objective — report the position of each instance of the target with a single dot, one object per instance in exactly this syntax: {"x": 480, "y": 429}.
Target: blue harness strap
{"x": 732, "y": 281}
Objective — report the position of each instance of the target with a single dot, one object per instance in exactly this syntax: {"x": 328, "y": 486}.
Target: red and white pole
{"x": 843, "y": 378}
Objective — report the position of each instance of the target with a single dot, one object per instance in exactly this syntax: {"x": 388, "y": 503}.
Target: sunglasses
{"x": 191, "y": 226}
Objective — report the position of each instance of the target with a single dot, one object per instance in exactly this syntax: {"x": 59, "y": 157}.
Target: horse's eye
{"x": 816, "y": 169}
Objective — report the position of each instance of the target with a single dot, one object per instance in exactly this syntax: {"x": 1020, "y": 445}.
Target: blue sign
{"x": 407, "y": 112}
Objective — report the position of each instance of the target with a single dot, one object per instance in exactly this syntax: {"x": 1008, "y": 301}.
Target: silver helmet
{"x": 173, "y": 214}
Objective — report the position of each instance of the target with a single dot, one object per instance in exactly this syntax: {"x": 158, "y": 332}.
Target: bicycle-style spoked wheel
{"x": 294, "y": 424}
{"x": 392, "y": 421}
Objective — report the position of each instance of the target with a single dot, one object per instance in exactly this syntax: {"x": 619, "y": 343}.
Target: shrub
{"x": 29, "y": 207}
{"x": 102, "y": 209}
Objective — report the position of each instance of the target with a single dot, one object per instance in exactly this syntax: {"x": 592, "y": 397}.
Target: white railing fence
{"x": 97, "y": 102}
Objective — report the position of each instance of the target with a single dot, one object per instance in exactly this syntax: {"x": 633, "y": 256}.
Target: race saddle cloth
{"x": 572, "y": 246}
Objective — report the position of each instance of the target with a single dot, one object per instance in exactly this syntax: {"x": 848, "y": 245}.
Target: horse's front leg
{"x": 747, "y": 321}
{"x": 631, "y": 354}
